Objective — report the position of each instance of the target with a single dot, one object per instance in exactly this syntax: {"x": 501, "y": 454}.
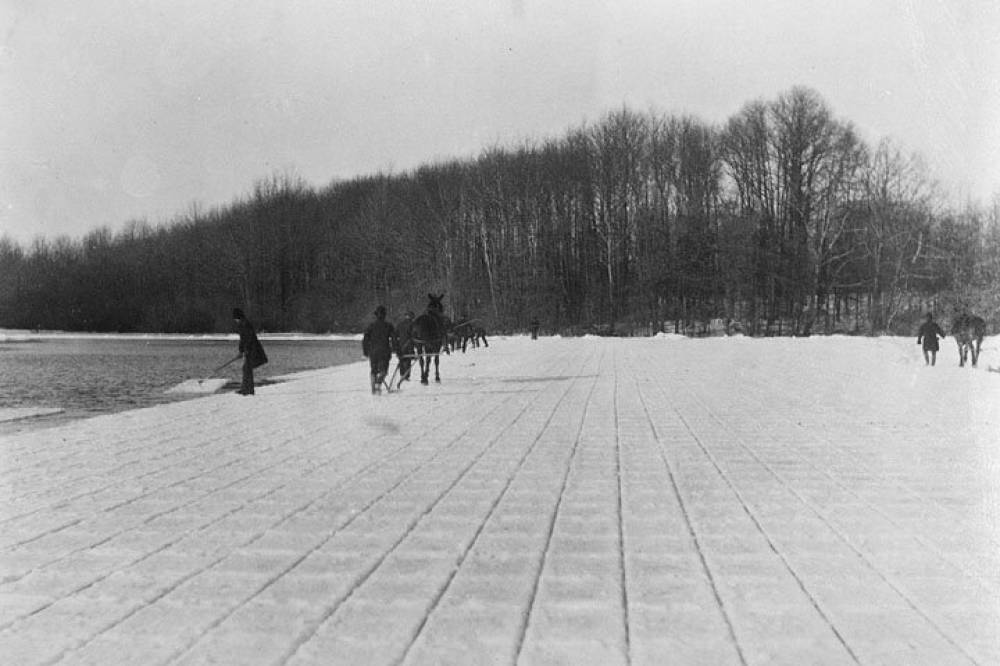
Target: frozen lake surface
{"x": 565, "y": 501}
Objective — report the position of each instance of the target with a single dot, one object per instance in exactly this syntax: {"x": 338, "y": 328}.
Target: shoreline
{"x": 63, "y": 379}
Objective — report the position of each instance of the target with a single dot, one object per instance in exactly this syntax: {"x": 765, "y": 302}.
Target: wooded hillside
{"x": 781, "y": 221}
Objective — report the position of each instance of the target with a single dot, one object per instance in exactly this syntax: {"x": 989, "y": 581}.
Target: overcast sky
{"x": 112, "y": 111}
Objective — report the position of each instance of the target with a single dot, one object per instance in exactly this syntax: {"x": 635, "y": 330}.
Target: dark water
{"x": 90, "y": 376}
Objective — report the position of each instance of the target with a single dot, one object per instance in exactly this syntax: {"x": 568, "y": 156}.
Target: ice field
{"x": 828, "y": 500}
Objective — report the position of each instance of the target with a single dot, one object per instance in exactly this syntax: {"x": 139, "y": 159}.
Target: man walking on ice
{"x": 929, "y": 333}
{"x": 377, "y": 344}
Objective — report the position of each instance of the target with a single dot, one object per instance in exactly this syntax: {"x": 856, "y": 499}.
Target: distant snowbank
{"x": 14, "y": 336}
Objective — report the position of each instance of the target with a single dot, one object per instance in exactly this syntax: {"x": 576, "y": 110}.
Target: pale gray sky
{"x": 113, "y": 110}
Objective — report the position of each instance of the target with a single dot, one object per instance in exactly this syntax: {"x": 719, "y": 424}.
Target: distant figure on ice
{"x": 404, "y": 334}
{"x": 250, "y": 349}
{"x": 377, "y": 345}
{"x": 533, "y": 327}
{"x": 929, "y": 333}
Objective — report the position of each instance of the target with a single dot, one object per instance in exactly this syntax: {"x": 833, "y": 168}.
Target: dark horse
{"x": 404, "y": 350}
{"x": 429, "y": 334}
{"x": 466, "y": 331}
{"x": 479, "y": 335}
{"x": 461, "y": 333}
{"x": 968, "y": 330}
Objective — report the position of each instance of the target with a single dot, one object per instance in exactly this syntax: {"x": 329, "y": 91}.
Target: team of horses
{"x": 968, "y": 331}
{"x": 466, "y": 332}
{"x": 431, "y": 333}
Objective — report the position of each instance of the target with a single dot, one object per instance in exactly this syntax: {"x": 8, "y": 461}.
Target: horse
{"x": 429, "y": 334}
{"x": 404, "y": 350}
{"x": 467, "y": 331}
{"x": 479, "y": 334}
{"x": 460, "y": 334}
{"x": 448, "y": 344}
{"x": 968, "y": 330}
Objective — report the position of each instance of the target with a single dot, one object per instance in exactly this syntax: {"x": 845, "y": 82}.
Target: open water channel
{"x": 90, "y": 375}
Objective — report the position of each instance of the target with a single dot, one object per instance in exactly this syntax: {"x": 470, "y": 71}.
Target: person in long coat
{"x": 928, "y": 335}
{"x": 251, "y": 350}
{"x": 378, "y": 343}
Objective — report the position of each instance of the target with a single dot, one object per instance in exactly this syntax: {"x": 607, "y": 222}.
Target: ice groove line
{"x": 97, "y": 580}
{"x": 427, "y": 511}
{"x": 148, "y": 602}
{"x": 905, "y": 487}
{"x": 97, "y": 475}
{"x": 201, "y": 528}
{"x": 478, "y": 531}
{"x": 691, "y": 531}
{"x": 770, "y": 542}
{"x": 774, "y": 388}
{"x": 347, "y": 480}
{"x": 300, "y": 640}
{"x": 194, "y": 500}
{"x": 169, "y": 545}
{"x": 158, "y": 489}
{"x": 121, "y": 438}
{"x": 307, "y": 634}
{"x": 259, "y": 470}
{"x": 523, "y": 630}
{"x": 114, "y": 470}
{"x": 44, "y": 534}
{"x": 201, "y": 445}
{"x": 840, "y": 535}
{"x": 623, "y": 580}
{"x": 195, "y": 427}
{"x": 489, "y": 514}
{"x": 930, "y": 546}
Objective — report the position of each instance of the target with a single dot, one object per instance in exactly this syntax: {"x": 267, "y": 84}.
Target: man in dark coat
{"x": 929, "y": 333}
{"x": 251, "y": 350}
{"x": 377, "y": 344}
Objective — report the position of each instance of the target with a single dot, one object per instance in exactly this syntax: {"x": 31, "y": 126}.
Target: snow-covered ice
{"x": 566, "y": 500}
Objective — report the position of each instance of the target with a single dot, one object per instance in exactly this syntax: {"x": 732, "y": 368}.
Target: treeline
{"x": 780, "y": 221}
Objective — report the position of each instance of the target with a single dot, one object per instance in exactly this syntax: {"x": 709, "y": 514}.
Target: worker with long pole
{"x": 250, "y": 349}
